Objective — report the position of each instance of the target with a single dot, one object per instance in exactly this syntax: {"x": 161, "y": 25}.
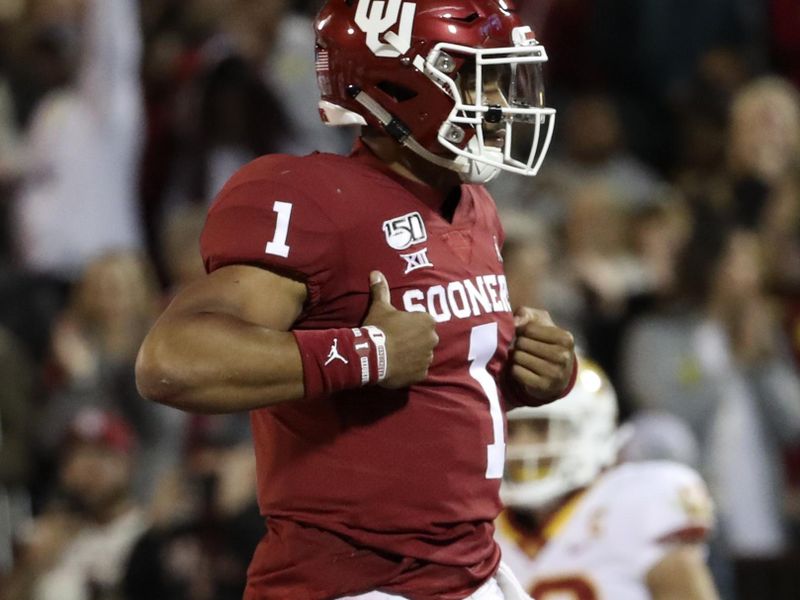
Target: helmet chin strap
{"x": 480, "y": 172}
{"x": 470, "y": 171}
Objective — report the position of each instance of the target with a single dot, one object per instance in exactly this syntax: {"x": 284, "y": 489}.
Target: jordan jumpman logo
{"x": 334, "y": 353}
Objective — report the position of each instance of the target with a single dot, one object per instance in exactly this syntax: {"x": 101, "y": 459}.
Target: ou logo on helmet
{"x": 376, "y": 17}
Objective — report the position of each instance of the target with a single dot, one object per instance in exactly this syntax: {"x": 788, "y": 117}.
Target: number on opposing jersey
{"x": 564, "y": 588}
{"x": 278, "y": 245}
{"x": 482, "y": 346}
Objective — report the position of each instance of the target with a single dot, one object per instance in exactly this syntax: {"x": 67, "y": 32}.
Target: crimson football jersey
{"x": 373, "y": 488}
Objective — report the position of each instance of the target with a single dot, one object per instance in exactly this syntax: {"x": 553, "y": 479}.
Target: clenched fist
{"x": 410, "y": 337}
{"x": 543, "y": 356}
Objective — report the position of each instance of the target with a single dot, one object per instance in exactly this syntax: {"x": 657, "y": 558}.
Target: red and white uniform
{"x": 602, "y": 543}
{"x": 371, "y": 488}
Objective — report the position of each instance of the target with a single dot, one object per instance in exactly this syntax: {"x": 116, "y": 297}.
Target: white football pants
{"x": 503, "y": 586}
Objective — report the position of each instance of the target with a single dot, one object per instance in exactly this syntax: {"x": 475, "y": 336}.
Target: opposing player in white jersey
{"x": 579, "y": 527}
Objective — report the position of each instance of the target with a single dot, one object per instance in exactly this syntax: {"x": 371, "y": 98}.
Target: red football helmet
{"x": 452, "y": 80}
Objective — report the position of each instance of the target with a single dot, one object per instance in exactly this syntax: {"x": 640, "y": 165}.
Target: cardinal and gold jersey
{"x": 602, "y": 542}
{"x": 372, "y": 488}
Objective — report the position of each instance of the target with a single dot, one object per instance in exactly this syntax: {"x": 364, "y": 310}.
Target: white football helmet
{"x": 555, "y": 449}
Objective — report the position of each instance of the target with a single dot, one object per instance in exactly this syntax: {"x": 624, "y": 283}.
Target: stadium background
{"x": 664, "y": 230}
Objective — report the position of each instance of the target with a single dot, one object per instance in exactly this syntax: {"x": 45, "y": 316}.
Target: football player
{"x": 580, "y": 527}
{"x": 357, "y": 306}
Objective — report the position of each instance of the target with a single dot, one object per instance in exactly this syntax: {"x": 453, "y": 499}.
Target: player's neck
{"x": 407, "y": 164}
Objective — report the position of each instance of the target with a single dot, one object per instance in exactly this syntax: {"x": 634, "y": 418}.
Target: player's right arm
{"x": 682, "y": 574}
{"x": 223, "y": 344}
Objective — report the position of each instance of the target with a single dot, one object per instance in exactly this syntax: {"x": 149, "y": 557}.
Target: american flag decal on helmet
{"x": 323, "y": 60}
{"x": 323, "y": 63}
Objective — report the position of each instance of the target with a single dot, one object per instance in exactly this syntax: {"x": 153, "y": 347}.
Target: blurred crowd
{"x": 663, "y": 230}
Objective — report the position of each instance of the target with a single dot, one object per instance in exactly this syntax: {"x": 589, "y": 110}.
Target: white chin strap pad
{"x": 480, "y": 172}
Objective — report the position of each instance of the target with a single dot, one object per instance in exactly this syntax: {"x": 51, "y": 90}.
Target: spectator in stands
{"x": 702, "y": 113}
{"x": 765, "y": 131}
{"x": 213, "y": 111}
{"x": 94, "y": 349}
{"x": 764, "y": 152}
{"x": 593, "y": 153}
{"x": 529, "y": 263}
{"x": 715, "y": 357}
{"x": 237, "y": 119}
{"x": 207, "y": 523}
{"x": 658, "y": 233}
{"x": 742, "y": 147}
{"x": 78, "y": 549}
{"x": 648, "y": 50}
{"x": 78, "y": 196}
{"x": 599, "y": 261}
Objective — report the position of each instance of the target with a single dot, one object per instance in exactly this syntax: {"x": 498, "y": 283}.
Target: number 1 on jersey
{"x": 482, "y": 346}
{"x": 278, "y": 245}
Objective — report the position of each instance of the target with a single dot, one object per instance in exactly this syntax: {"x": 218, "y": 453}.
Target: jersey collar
{"x": 432, "y": 197}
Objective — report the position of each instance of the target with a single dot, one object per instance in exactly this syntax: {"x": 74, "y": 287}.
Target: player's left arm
{"x": 543, "y": 365}
{"x": 682, "y": 574}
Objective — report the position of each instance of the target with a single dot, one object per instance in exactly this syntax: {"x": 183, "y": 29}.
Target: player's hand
{"x": 543, "y": 355}
{"x": 410, "y": 337}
